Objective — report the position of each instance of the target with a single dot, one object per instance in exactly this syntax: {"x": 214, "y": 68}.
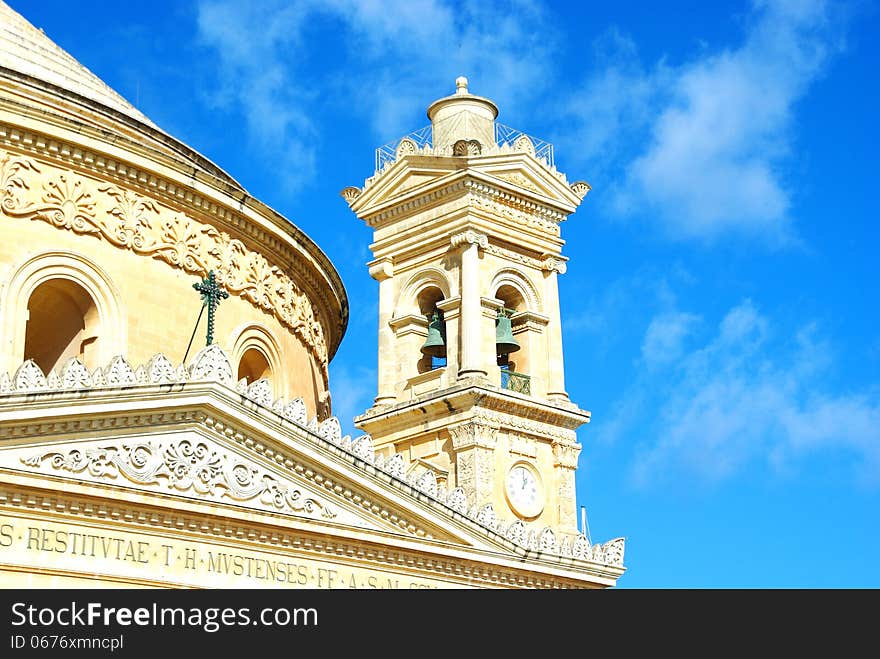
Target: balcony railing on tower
{"x": 505, "y": 136}
{"x": 518, "y": 382}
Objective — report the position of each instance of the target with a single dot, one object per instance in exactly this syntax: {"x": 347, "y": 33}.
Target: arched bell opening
{"x": 62, "y": 322}
{"x": 433, "y": 350}
{"x": 512, "y": 359}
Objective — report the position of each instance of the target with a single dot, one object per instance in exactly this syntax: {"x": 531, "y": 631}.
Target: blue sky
{"x": 718, "y": 314}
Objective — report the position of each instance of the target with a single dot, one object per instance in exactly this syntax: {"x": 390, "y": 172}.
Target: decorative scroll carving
{"x": 553, "y": 264}
{"x": 395, "y": 465}
{"x": 468, "y": 435}
{"x": 470, "y": 237}
{"x": 186, "y": 466}
{"x": 132, "y": 222}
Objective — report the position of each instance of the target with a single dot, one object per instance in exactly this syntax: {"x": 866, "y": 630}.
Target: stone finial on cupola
{"x": 463, "y": 124}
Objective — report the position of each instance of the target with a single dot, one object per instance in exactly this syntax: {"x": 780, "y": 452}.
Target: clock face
{"x": 524, "y": 491}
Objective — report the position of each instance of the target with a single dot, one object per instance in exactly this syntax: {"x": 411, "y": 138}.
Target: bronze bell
{"x": 435, "y": 344}
{"x": 504, "y": 341}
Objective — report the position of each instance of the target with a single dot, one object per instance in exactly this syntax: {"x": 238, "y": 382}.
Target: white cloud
{"x": 391, "y": 56}
{"x": 663, "y": 342}
{"x": 703, "y": 145}
{"x": 749, "y": 396}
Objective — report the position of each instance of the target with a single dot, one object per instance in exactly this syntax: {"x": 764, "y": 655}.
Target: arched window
{"x": 258, "y": 355}
{"x": 62, "y": 322}
{"x": 254, "y": 365}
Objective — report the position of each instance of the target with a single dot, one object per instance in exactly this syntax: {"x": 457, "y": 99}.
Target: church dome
{"x": 108, "y": 221}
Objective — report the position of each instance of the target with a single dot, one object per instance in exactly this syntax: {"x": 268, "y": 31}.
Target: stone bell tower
{"x": 466, "y": 215}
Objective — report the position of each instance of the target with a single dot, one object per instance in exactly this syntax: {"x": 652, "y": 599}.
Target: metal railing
{"x": 387, "y": 153}
{"x": 518, "y": 382}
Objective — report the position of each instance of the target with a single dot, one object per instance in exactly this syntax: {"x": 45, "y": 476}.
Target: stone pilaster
{"x": 473, "y": 446}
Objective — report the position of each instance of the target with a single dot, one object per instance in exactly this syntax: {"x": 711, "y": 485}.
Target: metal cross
{"x": 211, "y": 296}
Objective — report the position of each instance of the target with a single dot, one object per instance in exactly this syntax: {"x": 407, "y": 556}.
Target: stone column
{"x": 470, "y": 336}
{"x": 383, "y": 271}
{"x": 555, "y": 364}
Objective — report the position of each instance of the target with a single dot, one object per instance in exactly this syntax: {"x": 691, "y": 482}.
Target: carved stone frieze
{"x": 468, "y": 435}
{"x": 132, "y": 222}
{"x": 185, "y": 466}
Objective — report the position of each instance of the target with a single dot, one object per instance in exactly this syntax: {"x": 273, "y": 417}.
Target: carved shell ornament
{"x": 132, "y": 222}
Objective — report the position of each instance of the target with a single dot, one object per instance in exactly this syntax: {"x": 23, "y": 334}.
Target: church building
{"x": 132, "y": 454}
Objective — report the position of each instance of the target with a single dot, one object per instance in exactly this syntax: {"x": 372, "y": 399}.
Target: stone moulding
{"x": 180, "y": 466}
{"x": 132, "y": 222}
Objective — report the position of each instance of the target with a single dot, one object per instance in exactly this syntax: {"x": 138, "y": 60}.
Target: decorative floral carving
{"x": 457, "y": 500}
{"x": 120, "y": 372}
{"x": 75, "y": 375}
{"x": 547, "y": 541}
{"x": 426, "y": 482}
{"x": 295, "y": 411}
{"x": 362, "y": 447}
{"x": 160, "y": 370}
{"x": 524, "y": 145}
{"x": 395, "y": 465}
{"x": 260, "y": 392}
{"x": 581, "y": 547}
{"x": 331, "y": 430}
{"x": 186, "y": 466}
{"x": 211, "y": 363}
{"x": 614, "y": 551}
{"x": 29, "y": 377}
{"x": 516, "y": 533}
{"x": 130, "y": 221}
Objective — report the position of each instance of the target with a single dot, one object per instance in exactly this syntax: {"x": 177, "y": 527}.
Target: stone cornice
{"x": 481, "y": 190}
{"x": 28, "y": 496}
{"x": 476, "y": 396}
{"x": 30, "y": 403}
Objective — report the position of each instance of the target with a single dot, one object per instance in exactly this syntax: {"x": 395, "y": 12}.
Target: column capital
{"x": 554, "y": 263}
{"x": 473, "y": 435}
{"x": 470, "y": 237}
{"x": 565, "y": 454}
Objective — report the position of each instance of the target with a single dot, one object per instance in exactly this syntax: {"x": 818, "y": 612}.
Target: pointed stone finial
{"x": 461, "y": 85}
